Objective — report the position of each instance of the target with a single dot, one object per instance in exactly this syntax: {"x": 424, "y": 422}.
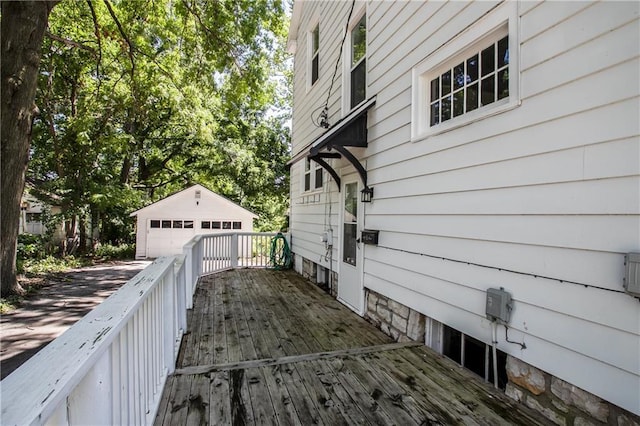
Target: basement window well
{"x": 472, "y": 354}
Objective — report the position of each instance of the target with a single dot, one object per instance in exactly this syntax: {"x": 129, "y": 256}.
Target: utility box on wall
{"x": 498, "y": 305}
{"x": 370, "y": 237}
{"x": 632, "y": 274}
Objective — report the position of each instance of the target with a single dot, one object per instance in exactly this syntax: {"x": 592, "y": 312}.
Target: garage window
{"x": 205, "y": 224}
{"x": 155, "y": 224}
{"x": 177, "y": 224}
{"x": 226, "y": 225}
{"x": 166, "y": 224}
{"x": 237, "y": 225}
{"x": 188, "y": 224}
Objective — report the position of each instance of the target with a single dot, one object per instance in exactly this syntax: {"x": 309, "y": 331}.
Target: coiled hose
{"x": 280, "y": 253}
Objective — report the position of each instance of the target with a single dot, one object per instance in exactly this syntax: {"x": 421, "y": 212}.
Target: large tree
{"x": 139, "y": 99}
{"x": 23, "y": 28}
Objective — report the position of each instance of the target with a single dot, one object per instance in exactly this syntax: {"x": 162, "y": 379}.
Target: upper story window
{"x": 473, "y": 76}
{"x": 358, "y": 80}
{"x": 478, "y": 80}
{"x": 313, "y": 175}
{"x": 314, "y": 53}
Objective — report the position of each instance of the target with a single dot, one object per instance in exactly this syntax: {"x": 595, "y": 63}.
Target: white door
{"x": 165, "y": 237}
{"x": 350, "y": 288}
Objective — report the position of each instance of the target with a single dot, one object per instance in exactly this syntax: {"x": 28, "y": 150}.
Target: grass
{"x": 9, "y": 304}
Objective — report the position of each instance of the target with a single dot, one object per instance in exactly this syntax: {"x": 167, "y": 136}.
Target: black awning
{"x": 351, "y": 131}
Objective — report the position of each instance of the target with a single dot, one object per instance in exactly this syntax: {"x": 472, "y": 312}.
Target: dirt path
{"x": 56, "y": 307}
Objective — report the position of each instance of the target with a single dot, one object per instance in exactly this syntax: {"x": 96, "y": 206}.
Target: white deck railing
{"x": 111, "y": 366}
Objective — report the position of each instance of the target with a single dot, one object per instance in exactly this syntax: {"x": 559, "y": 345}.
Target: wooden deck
{"x": 268, "y": 347}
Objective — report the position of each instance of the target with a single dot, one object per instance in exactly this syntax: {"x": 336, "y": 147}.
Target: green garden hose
{"x": 280, "y": 253}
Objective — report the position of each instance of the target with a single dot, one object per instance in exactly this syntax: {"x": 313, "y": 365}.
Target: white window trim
{"x": 358, "y": 12}
{"x": 446, "y": 56}
{"x": 313, "y": 23}
{"x": 313, "y": 166}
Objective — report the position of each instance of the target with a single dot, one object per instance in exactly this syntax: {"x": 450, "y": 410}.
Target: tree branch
{"x": 230, "y": 47}
{"x": 96, "y": 30}
{"x": 69, "y": 42}
{"x": 124, "y": 35}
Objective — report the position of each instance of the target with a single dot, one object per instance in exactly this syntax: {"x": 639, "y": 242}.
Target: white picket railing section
{"x": 111, "y": 366}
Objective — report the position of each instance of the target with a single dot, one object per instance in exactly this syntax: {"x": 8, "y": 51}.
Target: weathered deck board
{"x": 268, "y": 347}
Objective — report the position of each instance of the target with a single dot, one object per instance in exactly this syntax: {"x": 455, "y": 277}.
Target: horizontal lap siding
{"x": 310, "y": 212}
{"x": 550, "y": 188}
{"x": 310, "y": 219}
{"x": 309, "y": 102}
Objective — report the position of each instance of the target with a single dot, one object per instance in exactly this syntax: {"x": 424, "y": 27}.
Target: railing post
{"x": 168, "y": 337}
{"x": 234, "y": 250}
{"x": 181, "y": 269}
{"x": 189, "y": 259}
{"x": 199, "y": 263}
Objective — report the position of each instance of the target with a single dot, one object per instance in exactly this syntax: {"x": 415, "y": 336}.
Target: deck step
{"x": 267, "y": 362}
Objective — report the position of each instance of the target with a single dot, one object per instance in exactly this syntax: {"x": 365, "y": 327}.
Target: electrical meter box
{"x": 632, "y": 274}
{"x": 498, "y": 305}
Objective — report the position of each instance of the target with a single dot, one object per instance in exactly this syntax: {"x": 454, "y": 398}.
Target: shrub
{"x": 109, "y": 252}
{"x": 51, "y": 264}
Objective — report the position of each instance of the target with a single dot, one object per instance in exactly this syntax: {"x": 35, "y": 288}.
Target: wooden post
{"x": 233, "y": 252}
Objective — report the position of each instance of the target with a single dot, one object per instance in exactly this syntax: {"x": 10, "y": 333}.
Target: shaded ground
{"x": 58, "y": 305}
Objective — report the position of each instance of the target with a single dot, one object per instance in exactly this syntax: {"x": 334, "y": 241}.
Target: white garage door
{"x": 166, "y": 237}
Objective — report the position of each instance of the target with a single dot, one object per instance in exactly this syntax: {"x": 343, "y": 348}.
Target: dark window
{"x": 237, "y": 225}
{"x": 205, "y": 224}
{"x": 177, "y": 224}
{"x": 226, "y": 225}
{"x": 318, "y": 181}
{"x": 166, "y": 224}
{"x": 307, "y": 181}
{"x": 315, "y": 44}
{"x": 188, "y": 224}
{"x": 34, "y": 217}
{"x": 451, "y": 344}
{"x": 358, "y": 83}
{"x": 475, "y": 353}
{"x": 215, "y": 225}
{"x": 359, "y": 62}
{"x": 155, "y": 224}
{"x": 350, "y": 225}
{"x": 478, "y": 356}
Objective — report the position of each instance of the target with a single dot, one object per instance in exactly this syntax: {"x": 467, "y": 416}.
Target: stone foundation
{"x": 310, "y": 272}
{"x": 559, "y": 401}
{"x": 394, "y": 319}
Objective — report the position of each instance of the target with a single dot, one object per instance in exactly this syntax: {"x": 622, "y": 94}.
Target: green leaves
{"x": 139, "y": 99}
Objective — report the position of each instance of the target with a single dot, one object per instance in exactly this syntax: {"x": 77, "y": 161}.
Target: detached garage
{"x": 165, "y": 226}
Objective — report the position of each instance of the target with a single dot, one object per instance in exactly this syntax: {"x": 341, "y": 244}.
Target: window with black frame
{"x": 315, "y": 57}
{"x": 359, "y": 62}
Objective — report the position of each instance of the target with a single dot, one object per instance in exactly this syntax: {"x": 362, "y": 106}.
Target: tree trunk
{"x": 23, "y": 26}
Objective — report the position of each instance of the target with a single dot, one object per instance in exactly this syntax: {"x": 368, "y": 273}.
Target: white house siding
{"x": 311, "y": 213}
{"x": 550, "y": 188}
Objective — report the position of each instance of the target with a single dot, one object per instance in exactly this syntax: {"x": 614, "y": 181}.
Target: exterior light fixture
{"x": 366, "y": 195}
